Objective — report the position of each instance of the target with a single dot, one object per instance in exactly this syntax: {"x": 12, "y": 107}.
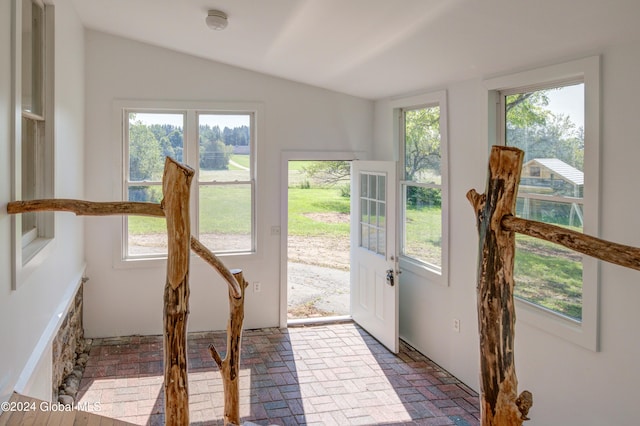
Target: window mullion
{"x": 190, "y": 155}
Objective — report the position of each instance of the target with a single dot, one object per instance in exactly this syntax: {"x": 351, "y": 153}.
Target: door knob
{"x": 390, "y": 277}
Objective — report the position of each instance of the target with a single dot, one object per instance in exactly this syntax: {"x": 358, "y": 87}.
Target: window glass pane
{"x": 549, "y": 275}
{"x": 423, "y": 224}
{"x": 31, "y": 130}
{"x": 364, "y": 211}
{"x": 146, "y": 235}
{"x": 422, "y": 145}
{"x": 32, "y": 58}
{"x": 382, "y": 240}
{"x": 373, "y": 212}
{"x": 373, "y": 191}
{"x": 382, "y": 188}
{"x": 364, "y": 185}
{"x": 548, "y": 125}
{"x": 225, "y": 217}
{"x": 563, "y": 214}
{"x": 152, "y": 137}
{"x": 224, "y": 142}
{"x": 364, "y": 236}
{"x": 545, "y": 273}
{"x": 381, "y": 215}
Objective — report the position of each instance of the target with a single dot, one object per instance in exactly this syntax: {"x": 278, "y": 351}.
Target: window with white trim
{"x": 219, "y": 145}
{"x": 423, "y": 185}
{"x": 552, "y": 114}
{"x": 33, "y": 127}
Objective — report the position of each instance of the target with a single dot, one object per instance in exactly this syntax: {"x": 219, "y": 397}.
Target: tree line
{"x": 150, "y": 144}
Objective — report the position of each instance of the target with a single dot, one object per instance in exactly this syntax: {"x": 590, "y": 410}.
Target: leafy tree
{"x": 215, "y": 155}
{"x": 422, "y": 142}
{"x": 145, "y": 154}
{"x": 527, "y": 109}
{"x": 328, "y": 172}
{"x": 540, "y": 133}
{"x": 208, "y": 133}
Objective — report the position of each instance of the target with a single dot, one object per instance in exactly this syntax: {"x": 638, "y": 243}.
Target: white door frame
{"x": 285, "y": 157}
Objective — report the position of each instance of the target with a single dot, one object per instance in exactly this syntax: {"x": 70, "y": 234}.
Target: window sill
{"x": 158, "y": 261}
{"x": 422, "y": 269}
{"x": 571, "y": 330}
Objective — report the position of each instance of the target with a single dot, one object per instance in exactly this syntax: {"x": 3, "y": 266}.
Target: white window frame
{"x": 587, "y": 70}
{"x": 190, "y": 157}
{"x": 432, "y": 273}
{"x": 30, "y": 249}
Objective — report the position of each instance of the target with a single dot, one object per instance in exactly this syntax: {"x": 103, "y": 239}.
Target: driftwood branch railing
{"x": 174, "y": 207}
{"x": 500, "y": 404}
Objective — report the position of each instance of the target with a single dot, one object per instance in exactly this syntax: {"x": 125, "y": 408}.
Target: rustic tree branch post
{"x": 496, "y": 314}
{"x": 230, "y": 365}
{"x": 176, "y": 184}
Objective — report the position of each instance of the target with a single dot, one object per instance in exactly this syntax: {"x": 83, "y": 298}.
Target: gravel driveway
{"x": 317, "y": 291}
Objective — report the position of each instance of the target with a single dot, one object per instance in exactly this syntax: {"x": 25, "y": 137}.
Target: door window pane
{"x": 373, "y": 212}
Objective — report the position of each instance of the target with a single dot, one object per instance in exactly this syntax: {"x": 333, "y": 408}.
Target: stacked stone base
{"x": 70, "y": 354}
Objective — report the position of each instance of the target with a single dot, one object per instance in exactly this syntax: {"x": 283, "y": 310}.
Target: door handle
{"x": 390, "y": 277}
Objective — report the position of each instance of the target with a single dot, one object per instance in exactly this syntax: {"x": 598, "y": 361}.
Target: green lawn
{"x": 424, "y": 234}
{"x": 242, "y": 159}
{"x": 303, "y": 203}
{"x": 548, "y": 275}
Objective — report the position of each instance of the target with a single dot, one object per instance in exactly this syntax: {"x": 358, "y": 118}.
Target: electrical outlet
{"x": 257, "y": 287}
{"x": 456, "y": 325}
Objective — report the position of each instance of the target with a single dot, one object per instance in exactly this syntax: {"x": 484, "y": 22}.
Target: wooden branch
{"x": 215, "y": 355}
{"x": 619, "y": 254}
{"x": 208, "y": 256}
{"x": 86, "y": 208}
{"x": 176, "y": 183}
{"x": 230, "y": 366}
{"x": 499, "y": 403}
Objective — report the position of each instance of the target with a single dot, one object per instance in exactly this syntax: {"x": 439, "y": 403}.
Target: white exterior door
{"x": 374, "y": 278}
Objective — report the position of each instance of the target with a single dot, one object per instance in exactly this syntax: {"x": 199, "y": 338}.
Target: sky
{"x": 569, "y": 101}
{"x": 221, "y": 120}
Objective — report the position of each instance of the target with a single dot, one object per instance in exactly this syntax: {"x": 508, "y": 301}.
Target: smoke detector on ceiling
{"x": 217, "y": 20}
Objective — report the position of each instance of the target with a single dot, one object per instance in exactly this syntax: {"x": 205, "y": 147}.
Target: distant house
{"x": 552, "y": 175}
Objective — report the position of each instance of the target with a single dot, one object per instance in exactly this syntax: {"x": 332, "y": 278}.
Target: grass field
{"x": 305, "y": 203}
{"x": 549, "y": 276}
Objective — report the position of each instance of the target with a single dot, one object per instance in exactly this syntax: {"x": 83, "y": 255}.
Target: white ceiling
{"x": 374, "y": 48}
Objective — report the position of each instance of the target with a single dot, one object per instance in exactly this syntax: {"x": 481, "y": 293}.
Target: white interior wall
{"x": 29, "y": 314}
{"x": 570, "y": 384}
{"x": 297, "y": 117}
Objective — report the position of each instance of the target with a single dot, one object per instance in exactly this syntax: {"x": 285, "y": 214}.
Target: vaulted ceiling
{"x": 374, "y": 48}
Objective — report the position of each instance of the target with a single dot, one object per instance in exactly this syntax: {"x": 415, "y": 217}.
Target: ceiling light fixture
{"x": 217, "y": 20}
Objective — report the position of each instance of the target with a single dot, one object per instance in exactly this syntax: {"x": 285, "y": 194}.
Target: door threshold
{"x": 303, "y": 322}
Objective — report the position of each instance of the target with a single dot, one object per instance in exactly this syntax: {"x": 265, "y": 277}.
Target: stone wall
{"x": 69, "y": 350}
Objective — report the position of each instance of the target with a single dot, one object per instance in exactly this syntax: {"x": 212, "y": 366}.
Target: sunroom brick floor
{"x": 322, "y": 375}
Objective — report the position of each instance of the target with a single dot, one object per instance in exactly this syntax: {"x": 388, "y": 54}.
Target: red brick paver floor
{"x": 323, "y": 375}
